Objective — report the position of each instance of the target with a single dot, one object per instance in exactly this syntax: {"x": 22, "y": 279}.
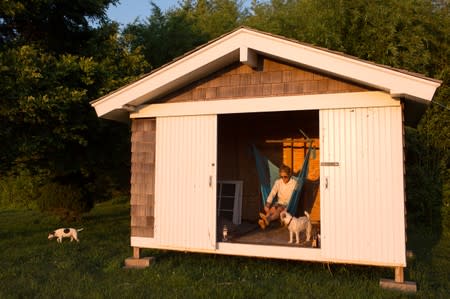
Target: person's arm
{"x": 272, "y": 194}
{"x": 285, "y": 195}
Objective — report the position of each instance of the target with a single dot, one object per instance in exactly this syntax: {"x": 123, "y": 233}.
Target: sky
{"x": 128, "y": 10}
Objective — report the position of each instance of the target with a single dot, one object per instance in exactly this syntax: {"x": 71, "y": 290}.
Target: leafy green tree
{"x": 399, "y": 33}
{"x": 431, "y": 167}
{"x": 164, "y": 36}
{"x": 62, "y": 26}
{"x": 51, "y": 132}
{"x": 215, "y": 17}
{"x": 167, "y": 35}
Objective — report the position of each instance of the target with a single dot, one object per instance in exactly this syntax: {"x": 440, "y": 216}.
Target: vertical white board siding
{"x": 362, "y": 212}
{"x": 185, "y": 183}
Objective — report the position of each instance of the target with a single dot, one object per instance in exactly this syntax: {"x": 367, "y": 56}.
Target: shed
{"x": 194, "y": 120}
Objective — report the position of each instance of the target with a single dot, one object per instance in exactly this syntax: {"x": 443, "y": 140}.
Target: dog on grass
{"x": 61, "y": 233}
{"x": 296, "y": 225}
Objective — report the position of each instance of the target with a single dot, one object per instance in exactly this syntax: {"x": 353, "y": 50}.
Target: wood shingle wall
{"x": 142, "y": 177}
{"x": 273, "y": 79}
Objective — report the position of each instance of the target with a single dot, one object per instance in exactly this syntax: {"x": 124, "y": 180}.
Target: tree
{"x": 61, "y": 26}
{"x": 165, "y": 36}
{"x": 52, "y": 132}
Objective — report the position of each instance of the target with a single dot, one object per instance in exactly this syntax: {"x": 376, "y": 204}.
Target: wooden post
{"x": 399, "y": 278}
{"x": 136, "y": 252}
{"x": 136, "y": 261}
{"x": 399, "y": 283}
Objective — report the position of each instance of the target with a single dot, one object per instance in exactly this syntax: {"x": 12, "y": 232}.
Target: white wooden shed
{"x": 194, "y": 118}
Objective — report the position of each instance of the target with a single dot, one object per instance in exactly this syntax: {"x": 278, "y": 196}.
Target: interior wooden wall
{"x": 238, "y": 132}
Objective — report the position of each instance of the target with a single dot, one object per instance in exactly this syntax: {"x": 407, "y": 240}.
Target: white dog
{"x": 60, "y": 233}
{"x": 296, "y": 225}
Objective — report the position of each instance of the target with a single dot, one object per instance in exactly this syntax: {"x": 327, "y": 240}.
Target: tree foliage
{"x": 166, "y": 35}
{"x": 48, "y": 126}
{"x": 57, "y": 25}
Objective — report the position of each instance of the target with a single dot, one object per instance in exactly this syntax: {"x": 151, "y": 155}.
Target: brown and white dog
{"x": 61, "y": 233}
{"x": 296, "y": 225}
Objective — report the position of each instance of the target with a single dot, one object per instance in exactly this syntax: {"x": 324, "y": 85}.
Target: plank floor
{"x": 275, "y": 234}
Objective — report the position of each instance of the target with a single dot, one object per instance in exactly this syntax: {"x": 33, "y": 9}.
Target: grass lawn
{"x": 33, "y": 267}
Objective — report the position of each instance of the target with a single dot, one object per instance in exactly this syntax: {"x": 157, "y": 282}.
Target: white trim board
{"x": 270, "y": 104}
{"x": 260, "y": 251}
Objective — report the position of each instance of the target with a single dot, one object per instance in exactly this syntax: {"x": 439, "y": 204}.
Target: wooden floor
{"x": 251, "y": 233}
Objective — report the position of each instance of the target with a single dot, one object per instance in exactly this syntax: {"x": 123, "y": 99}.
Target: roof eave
{"x": 241, "y": 45}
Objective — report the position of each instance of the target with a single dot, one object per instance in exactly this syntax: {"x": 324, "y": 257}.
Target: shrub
{"x": 19, "y": 190}
{"x": 446, "y": 202}
{"x": 424, "y": 183}
{"x": 68, "y": 201}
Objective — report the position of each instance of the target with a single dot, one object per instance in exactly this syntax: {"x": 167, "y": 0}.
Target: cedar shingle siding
{"x": 142, "y": 177}
{"x": 274, "y": 79}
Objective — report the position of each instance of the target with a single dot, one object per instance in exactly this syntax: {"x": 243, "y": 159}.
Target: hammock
{"x": 269, "y": 172}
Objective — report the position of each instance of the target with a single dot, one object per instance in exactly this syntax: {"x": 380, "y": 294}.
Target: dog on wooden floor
{"x": 296, "y": 225}
{"x": 61, "y": 233}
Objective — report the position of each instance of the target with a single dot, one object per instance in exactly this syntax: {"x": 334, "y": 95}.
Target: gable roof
{"x": 244, "y": 45}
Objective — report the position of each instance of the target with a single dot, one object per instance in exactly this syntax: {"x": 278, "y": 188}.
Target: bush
{"x": 68, "y": 201}
{"x": 424, "y": 184}
{"x": 19, "y": 190}
{"x": 446, "y": 203}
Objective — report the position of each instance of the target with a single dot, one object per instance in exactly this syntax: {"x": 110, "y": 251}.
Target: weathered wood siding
{"x": 272, "y": 79}
{"x": 143, "y": 177}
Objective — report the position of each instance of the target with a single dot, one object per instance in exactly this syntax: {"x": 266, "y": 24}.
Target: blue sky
{"x": 128, "y": 10}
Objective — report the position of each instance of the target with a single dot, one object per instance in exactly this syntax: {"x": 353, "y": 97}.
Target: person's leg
{"x": 266, "y": 216}
{"x": 266, "y": 213}
{"x": 274, "y": 213}
{"x": 271, "y": 214}
{"x": 263, "y": 223}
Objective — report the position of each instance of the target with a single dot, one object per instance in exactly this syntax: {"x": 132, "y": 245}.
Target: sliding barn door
{"x": 362, "y": 188}
{"x": 185, "y": 184}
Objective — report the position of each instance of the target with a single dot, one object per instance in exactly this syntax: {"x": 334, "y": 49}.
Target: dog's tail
{"x": 80, "y": 229}
{"x": 307, "y": 214}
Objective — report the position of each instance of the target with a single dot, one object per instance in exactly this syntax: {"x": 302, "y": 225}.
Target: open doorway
{"x": 278, "y": 136}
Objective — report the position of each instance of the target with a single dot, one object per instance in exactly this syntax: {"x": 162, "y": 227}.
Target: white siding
{"x": 362, "y": 199}
{"x": 185, "y": 186}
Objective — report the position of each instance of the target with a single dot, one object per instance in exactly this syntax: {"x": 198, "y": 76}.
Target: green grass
{"x": 33, "y": 267}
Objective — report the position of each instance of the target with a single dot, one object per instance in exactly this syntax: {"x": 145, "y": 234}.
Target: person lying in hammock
{"x": 282, "y": 189}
